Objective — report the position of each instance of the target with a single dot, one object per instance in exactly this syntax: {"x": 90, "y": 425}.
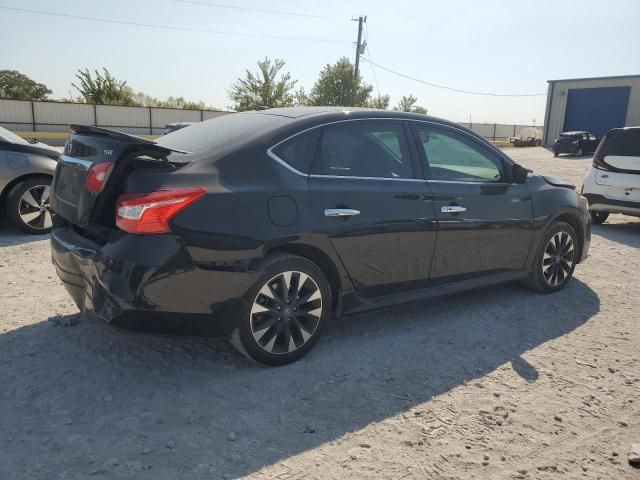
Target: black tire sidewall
{"x": 271, "y": 268}
{"x": 598, "y": 218}
{"x": 538, "y": 276}
{"x": 13, "y": 200}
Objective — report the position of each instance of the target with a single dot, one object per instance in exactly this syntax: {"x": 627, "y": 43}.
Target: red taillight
{"x": 151, "y": 212}
{"x": 97, "y": 176}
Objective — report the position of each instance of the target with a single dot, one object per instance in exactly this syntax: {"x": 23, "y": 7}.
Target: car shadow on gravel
{"x": 10, "y": 235}
{"x": 87, "y": 399}
{"x": 625, "y": 233}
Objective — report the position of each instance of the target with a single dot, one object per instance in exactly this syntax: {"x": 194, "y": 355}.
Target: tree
{"x": 16, "y": 85}
{"x": 263, "y": 88}
{"x": 300, "y": 98}
{"x": 408, "y": 104}
{"x": 145, "y": 100}
{"x": 337, "y": 86}
{"x": 381, "y": 102}
{"x": 103, "y": 89}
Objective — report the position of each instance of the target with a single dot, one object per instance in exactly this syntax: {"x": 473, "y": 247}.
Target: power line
{"x": 373, "y": 71}
{"x": 170, "y": 27}
{"x": 451, "y": 88}
{"x": 260, "y": 10}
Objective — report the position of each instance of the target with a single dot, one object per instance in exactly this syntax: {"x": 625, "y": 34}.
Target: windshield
{"x": 11, "y": 137}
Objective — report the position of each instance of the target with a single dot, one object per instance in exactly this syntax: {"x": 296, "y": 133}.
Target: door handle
{"x": 340, "y": 212}
{"x": 452, "y": 209}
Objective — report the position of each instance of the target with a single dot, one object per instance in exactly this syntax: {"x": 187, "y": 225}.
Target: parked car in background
{"x": 263, "y": 225}
{"x": 26, "y": 169}
{"x": 575, "y": 143}
{"x": 172, "y": 127}
{"x": 612, "y": 184}
{"x": 528, "y": 137}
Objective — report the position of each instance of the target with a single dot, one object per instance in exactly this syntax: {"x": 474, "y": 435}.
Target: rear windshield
{"x": 206, "y": 139}
{"x": 625, "y": 143}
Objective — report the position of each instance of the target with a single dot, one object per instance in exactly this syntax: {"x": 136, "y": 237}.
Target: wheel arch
{"x": 322, "y": 260}
{"x": 9, "y": 186}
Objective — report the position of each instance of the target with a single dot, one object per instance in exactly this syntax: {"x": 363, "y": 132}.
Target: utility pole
{"x": 359, "y": 51}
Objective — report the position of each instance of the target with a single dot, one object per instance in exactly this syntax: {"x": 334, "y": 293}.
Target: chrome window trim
{"x": 319, "y": 175}
{"x": 273, "y": 156}
{"x": 472, "y": 183}
{"x": 86, "y": 164}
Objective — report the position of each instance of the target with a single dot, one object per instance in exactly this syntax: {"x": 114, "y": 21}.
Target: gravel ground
{"x": 494, "y": 384}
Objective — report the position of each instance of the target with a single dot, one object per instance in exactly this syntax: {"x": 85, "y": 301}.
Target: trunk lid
{"x": 89, "y": 148}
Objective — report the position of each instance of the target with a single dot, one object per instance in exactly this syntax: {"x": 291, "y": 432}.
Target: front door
{"x": 375, "y": 210}
{"x": 485, "y": 223}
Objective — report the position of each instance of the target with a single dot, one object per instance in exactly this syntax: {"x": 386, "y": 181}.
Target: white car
{"x": 612, "y": 184}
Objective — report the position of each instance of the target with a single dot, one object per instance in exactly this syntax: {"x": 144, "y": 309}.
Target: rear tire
{"x": 27, "y": 205}
{"x": 598, "y": 218}
{"x": 287, "y": 310}
{"x": 555, "y": 154}
{"x": 555, "y": 259}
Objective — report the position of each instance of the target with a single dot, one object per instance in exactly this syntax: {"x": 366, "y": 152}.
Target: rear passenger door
{"x": 365, "y": 194}
{"x": 485, "y": 222}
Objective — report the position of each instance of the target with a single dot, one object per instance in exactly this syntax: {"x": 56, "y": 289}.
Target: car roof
{"x": 337, "y": 113}
{"x": 576, "y": 132}
{"x": 177, "y": 124}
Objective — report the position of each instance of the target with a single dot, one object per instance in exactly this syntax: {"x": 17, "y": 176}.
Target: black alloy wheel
{"x": 289, "y": 307}
{"x": 556, "y": 259}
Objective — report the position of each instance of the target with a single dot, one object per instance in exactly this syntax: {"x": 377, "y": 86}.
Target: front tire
{"x": 288, "y": 308}
{"x": 555, "y": 260}
{"x": 27, "y": 205}
{"x": 598, "y": 218}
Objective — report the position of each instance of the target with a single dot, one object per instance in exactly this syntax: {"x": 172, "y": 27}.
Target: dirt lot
{"x": 494, "y": 384}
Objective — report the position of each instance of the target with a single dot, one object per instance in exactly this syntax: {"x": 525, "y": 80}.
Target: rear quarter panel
{"x": 17, "y": 164}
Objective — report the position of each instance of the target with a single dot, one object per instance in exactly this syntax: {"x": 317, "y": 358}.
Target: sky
{"x": 493, "y": 46}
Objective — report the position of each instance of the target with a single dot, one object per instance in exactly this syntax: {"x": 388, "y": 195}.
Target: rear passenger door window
{"x": 376, "y": 149}
{"x": 452, "y": 157}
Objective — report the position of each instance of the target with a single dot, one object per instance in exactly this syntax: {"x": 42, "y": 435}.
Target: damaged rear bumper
{"x": 149, "y": 283}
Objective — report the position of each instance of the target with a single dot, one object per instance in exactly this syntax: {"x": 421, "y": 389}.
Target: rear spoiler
{"x": 126, "y": 137}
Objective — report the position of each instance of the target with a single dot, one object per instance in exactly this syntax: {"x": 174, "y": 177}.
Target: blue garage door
{"x": 596, "y": 110}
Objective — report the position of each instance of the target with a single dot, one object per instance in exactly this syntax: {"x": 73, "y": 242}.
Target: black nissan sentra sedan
{"x": 261, "y": 226}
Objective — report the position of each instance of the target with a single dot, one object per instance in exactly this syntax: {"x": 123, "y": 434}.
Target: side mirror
{"x": 519, "y": 174}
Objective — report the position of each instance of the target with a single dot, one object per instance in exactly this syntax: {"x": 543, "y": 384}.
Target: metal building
{"x": 592, "y": 104}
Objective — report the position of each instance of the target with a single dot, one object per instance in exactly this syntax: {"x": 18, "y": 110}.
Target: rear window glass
{"x": 298, "y": 152}
{"x": 219, "y": 134}
{"x": 624, "y": 143}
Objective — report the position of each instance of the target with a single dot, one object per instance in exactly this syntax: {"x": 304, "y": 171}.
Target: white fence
{"x": 498, "y": 131}
{"x": 47, "y": 116}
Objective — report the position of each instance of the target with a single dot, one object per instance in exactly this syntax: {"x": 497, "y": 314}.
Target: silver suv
{"x": 26, "y": 170}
